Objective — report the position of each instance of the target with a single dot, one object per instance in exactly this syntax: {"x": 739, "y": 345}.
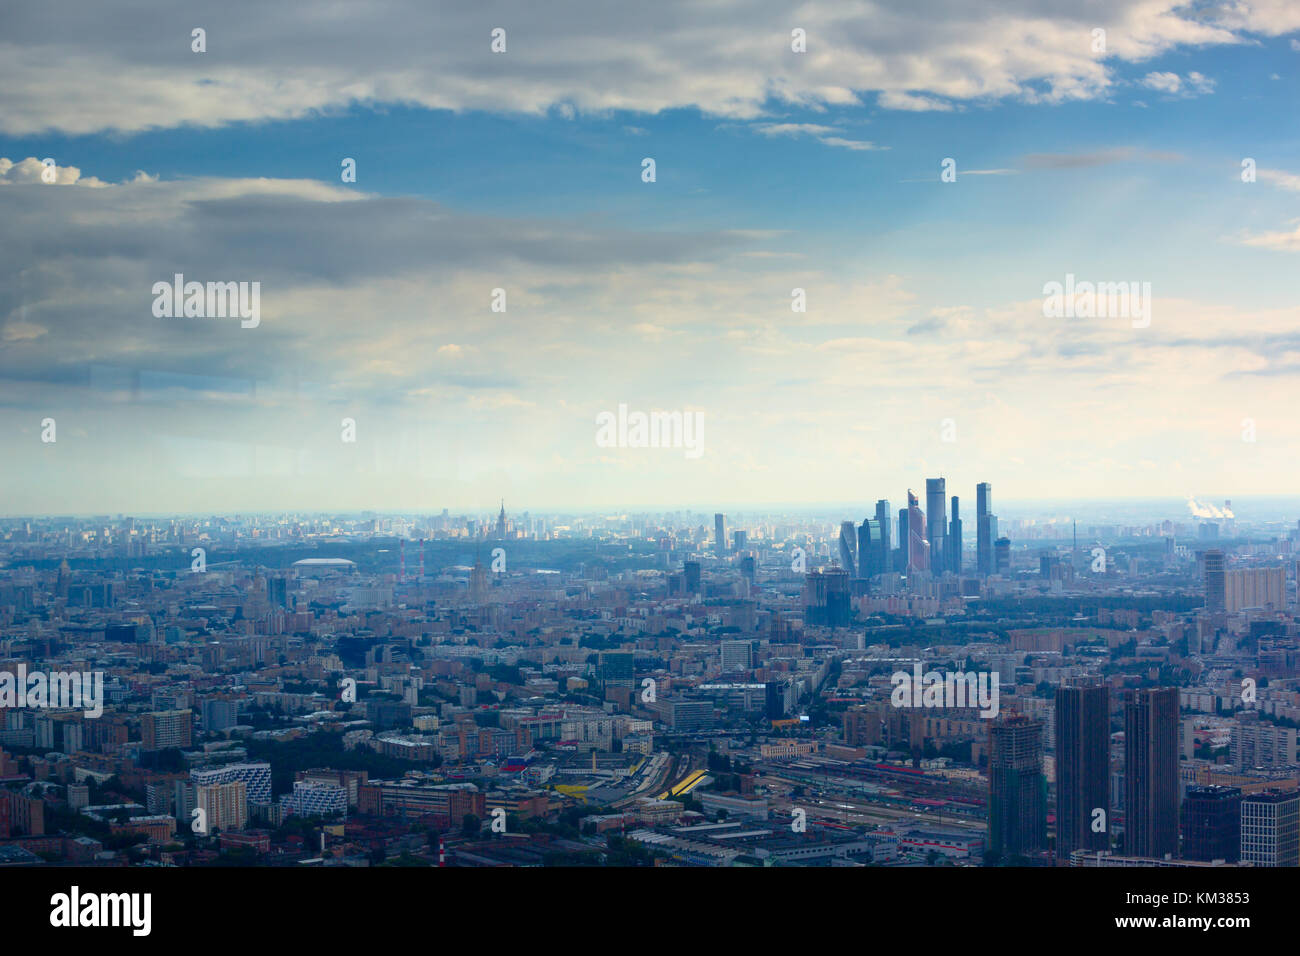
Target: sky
{"x": 1164, "y": 152}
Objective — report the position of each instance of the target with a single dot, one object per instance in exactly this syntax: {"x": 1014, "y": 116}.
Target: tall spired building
{"x": 501, "y": 521}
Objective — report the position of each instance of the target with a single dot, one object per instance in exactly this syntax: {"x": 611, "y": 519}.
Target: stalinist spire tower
{"x": 501, "y": 521}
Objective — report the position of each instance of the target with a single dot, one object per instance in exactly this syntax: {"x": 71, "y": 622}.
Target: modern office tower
{"x": 986, "y": 528}
{"x": 901, "y": 552}
{"x": 1082, "y": 768}
{"x": 1215, "y": 581}
{"x": 166, "y": 730}
{"x": 954, "y": 537}
{"x": 1254, "y": 587}
{"x": 848, "y": 545}
{"x": 1256, "y": 744}
{"x": 868, "y": 559}
{"x": 1270, "y": 828}
{"x": 617, "y": 669}
{"x": 936, "y": 528}
{"x": 918, "y": 546}
{"x": 739, "y": 540}
{"x": 826, "y": 598}
{"x": 692, "y": 571}
{"x": 256, "y": 776}
{"x": 748, "y": 568}
{"x": 277, "y": 591}
{"x": 886, "y": 539}
{"x": 225, "y": 805}
{"x": 1017, "y": 787}
{"x": 1002, "y": 555}
{"x": 1151, "y": 772}
{"x": 1212, "y": 823}
{"x": 737, "y": 656}
{"x": 720, "y": 533}
{"x": 839, "y": 608}
{"x": 774, "y": 694}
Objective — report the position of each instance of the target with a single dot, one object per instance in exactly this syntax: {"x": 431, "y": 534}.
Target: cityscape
{"x": 690, "y": 690}
{"x": 848, "y": 441}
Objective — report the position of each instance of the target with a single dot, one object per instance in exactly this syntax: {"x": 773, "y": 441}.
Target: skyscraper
{"x": 918, "y": 548}
{"x": 867, "y": 558}
{"x": 1082, "y": 768}
{"x": 720, "y": 533}
{"x": 691, "y": 570}
{"x": 986, "y": 528}
{"x": 901, "y": 553}
{"x": 1002, "y": 555}
{"x": 848, "y": 546}
{"x": 936, "y": 528}
{"x": 886, "y": 539}
{"x": 1151, "y": 772}
{"x": 1215, "y": 581}
{"x": 826, "y": 598}
{"x": 1017, "y": 787}
{"x": 954, "y": 538}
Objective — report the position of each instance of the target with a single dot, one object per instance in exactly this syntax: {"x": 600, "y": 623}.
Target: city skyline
{"x": 654, "y": 437}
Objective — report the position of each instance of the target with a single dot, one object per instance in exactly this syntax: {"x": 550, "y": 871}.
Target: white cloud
{"x": 827, "y": 135}
{"x": 1163, "y": 82}
{"x": 131, "y": 68}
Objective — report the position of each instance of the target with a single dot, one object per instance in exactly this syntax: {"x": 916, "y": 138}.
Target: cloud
{"x": 1171, "y": 83}
{"x": 378, "y": 309}
{"x": 827, "y": 135}
{"x": 32, "y": 170}
{"x": 1284, "y": 180}
{"x": 1163, "y": 82}
{"x": 898, "y": 100}
{"x": 131, "y": 67}
{"x": 1279, "y": 240}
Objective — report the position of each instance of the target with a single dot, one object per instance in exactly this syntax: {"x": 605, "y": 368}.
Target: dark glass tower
{"x": 1212, "y": 824}
{"x": 1151, "y": 773}
{"x": 986, "y": 528}
{"x": 1082, "y": 768}
{"x": 1017, "y": 787}
{"x": 1216, "y": 580}
{"x": 867, "y": 560}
